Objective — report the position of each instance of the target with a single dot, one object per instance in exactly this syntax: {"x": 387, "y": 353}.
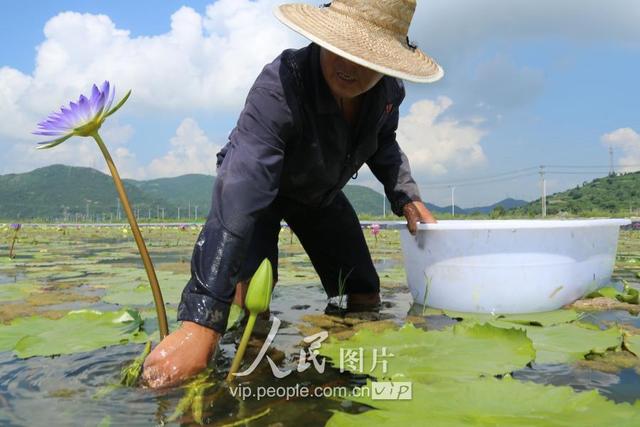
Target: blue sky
{"x": 526, "y": 84}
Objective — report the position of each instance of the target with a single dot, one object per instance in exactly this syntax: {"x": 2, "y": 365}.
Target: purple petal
{"x": 55, "y": 122}
{"x": 85, "y": 109}
{"x": 47, "y": 126}
{"x": 100, "y": 105}
{"x": 74, "y": 113}
{"x": 49, "y": 133}
{"x": 73, "y": 106}
{"x": 105, "y": 87}
{"x": 95, "y": 96}
{"x": 67, "y": 117}
{"x": 112, "y": 95}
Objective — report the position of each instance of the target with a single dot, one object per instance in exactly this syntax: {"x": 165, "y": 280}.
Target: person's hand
{"x": 416, "y": 212}
{"x": 181, "y": 355}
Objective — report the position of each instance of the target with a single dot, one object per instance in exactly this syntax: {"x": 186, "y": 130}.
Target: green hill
{"x": 185, "y": 192}
{"x": 65, "y": 193}
{"x": 611, "y": 195}
{"x": 365, "y": 200}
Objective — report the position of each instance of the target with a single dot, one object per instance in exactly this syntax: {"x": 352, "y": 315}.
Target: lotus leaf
{"x": 77, "y": 331}
{"x": 566, "y": 343}
{"x": 128, "y": 286}
{"x": 493, "y": 402}
{"x": 547, "y": 318}
{"x": 460, "y": 352}
{"x": 632, "y": 343}
{"x": 16, "y": 291}
{"x": 628, "y": 295}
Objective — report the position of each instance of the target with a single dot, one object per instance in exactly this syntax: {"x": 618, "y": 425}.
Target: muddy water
{"x": 73, "y": 390}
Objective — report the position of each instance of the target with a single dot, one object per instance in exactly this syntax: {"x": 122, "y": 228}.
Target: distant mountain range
{"x": 507, "y": 204}
{"x": 66, "y": 193}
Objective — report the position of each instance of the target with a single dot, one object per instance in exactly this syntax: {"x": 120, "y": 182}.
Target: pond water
{"x": 75, "y": 389}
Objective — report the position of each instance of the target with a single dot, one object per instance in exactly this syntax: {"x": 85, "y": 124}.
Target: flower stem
{"x": 242, "y": 347}
{"x": 13, "y": 242}
{"x": 142, "y": 248}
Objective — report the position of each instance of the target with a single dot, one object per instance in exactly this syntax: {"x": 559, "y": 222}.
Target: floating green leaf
{"x": 628, "y": 295}
{"x": 547, "y": 318}
{"x": 460, "y": 352}
{"x": 77, "y": 331}
{"x": 566, "y": 343}
{"x": 17, "y": 291}
{"x": 129, "y": 286}
{"x": 608, "y": 291}
{"x": 632, "y": 343}
{"x": 493, "y": 402}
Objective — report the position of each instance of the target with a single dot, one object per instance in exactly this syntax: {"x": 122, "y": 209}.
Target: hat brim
{"x": 366, "y": 45}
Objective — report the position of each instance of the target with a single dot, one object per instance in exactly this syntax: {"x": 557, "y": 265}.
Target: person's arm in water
{"x": 391, "y": 167}
{"x": 246, "y": 183}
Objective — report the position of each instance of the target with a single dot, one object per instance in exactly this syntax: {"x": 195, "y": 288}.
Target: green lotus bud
{"x": 259, "y": 293}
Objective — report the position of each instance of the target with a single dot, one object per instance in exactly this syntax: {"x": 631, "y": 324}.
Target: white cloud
{"x": 25, "y": 156}
{"x": 626, "y": 140}
{"x": 191, "y": 152}
{"x": 436, "y": 145}
{"x": 205, "y": 62}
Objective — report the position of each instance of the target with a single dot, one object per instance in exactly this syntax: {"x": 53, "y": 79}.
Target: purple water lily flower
{"x": 82, "y": 118}
{"x": 16, "y": 227}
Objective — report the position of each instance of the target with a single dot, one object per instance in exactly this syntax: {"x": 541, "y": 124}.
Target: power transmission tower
{"x": 453, "y": 201}
{"x": 612, "y": 171}
{"x": 543, "y": 184}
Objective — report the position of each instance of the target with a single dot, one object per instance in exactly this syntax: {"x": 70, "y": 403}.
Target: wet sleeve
{"x": 390, "y": 166}
{"x": 246, "y": 183}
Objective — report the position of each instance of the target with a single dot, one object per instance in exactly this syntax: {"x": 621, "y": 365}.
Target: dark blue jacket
{"x": 290, "y": 141}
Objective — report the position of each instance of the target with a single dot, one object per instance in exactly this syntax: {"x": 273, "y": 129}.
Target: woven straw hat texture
{"x": 371, "y": 33}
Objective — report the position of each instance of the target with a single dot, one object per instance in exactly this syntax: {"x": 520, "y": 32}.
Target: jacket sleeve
{"x": 390, "y": 165}
{"x": 246, "y": 183}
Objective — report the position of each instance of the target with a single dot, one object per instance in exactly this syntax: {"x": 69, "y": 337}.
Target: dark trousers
{"x": 331, "y": 236}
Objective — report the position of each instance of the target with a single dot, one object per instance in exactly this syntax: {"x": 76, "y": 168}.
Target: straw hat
{"x": 372, "y": 33}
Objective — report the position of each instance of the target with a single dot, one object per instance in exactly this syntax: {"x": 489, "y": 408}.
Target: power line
{"x": 520, "y": 173}
{"x": 517, "y": 171}
{"x": 480, "y": 182}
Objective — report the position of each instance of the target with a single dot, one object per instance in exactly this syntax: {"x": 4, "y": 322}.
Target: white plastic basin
{"x": 509, "y": 266}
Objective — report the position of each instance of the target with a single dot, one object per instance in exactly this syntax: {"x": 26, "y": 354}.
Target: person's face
{"x": 345, "y": 78}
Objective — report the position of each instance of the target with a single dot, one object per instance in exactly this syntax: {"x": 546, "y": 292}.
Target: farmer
{"x": 313, "y": 117}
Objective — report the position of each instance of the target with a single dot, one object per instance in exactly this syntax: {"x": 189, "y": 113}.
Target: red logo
{"x": 388, "y": 108}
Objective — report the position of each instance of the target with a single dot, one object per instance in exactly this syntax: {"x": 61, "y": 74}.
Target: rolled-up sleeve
{"x": 246, "y": 183}
{"x": 391, "y": 167}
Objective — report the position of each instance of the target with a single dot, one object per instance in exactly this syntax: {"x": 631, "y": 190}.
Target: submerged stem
{"x": 242, "y": 347}
{"x": 142, "y": 248}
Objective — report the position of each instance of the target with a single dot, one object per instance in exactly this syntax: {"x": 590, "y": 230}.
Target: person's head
{"x": 361, "y": 40}
{"x": 346, "y": 79}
